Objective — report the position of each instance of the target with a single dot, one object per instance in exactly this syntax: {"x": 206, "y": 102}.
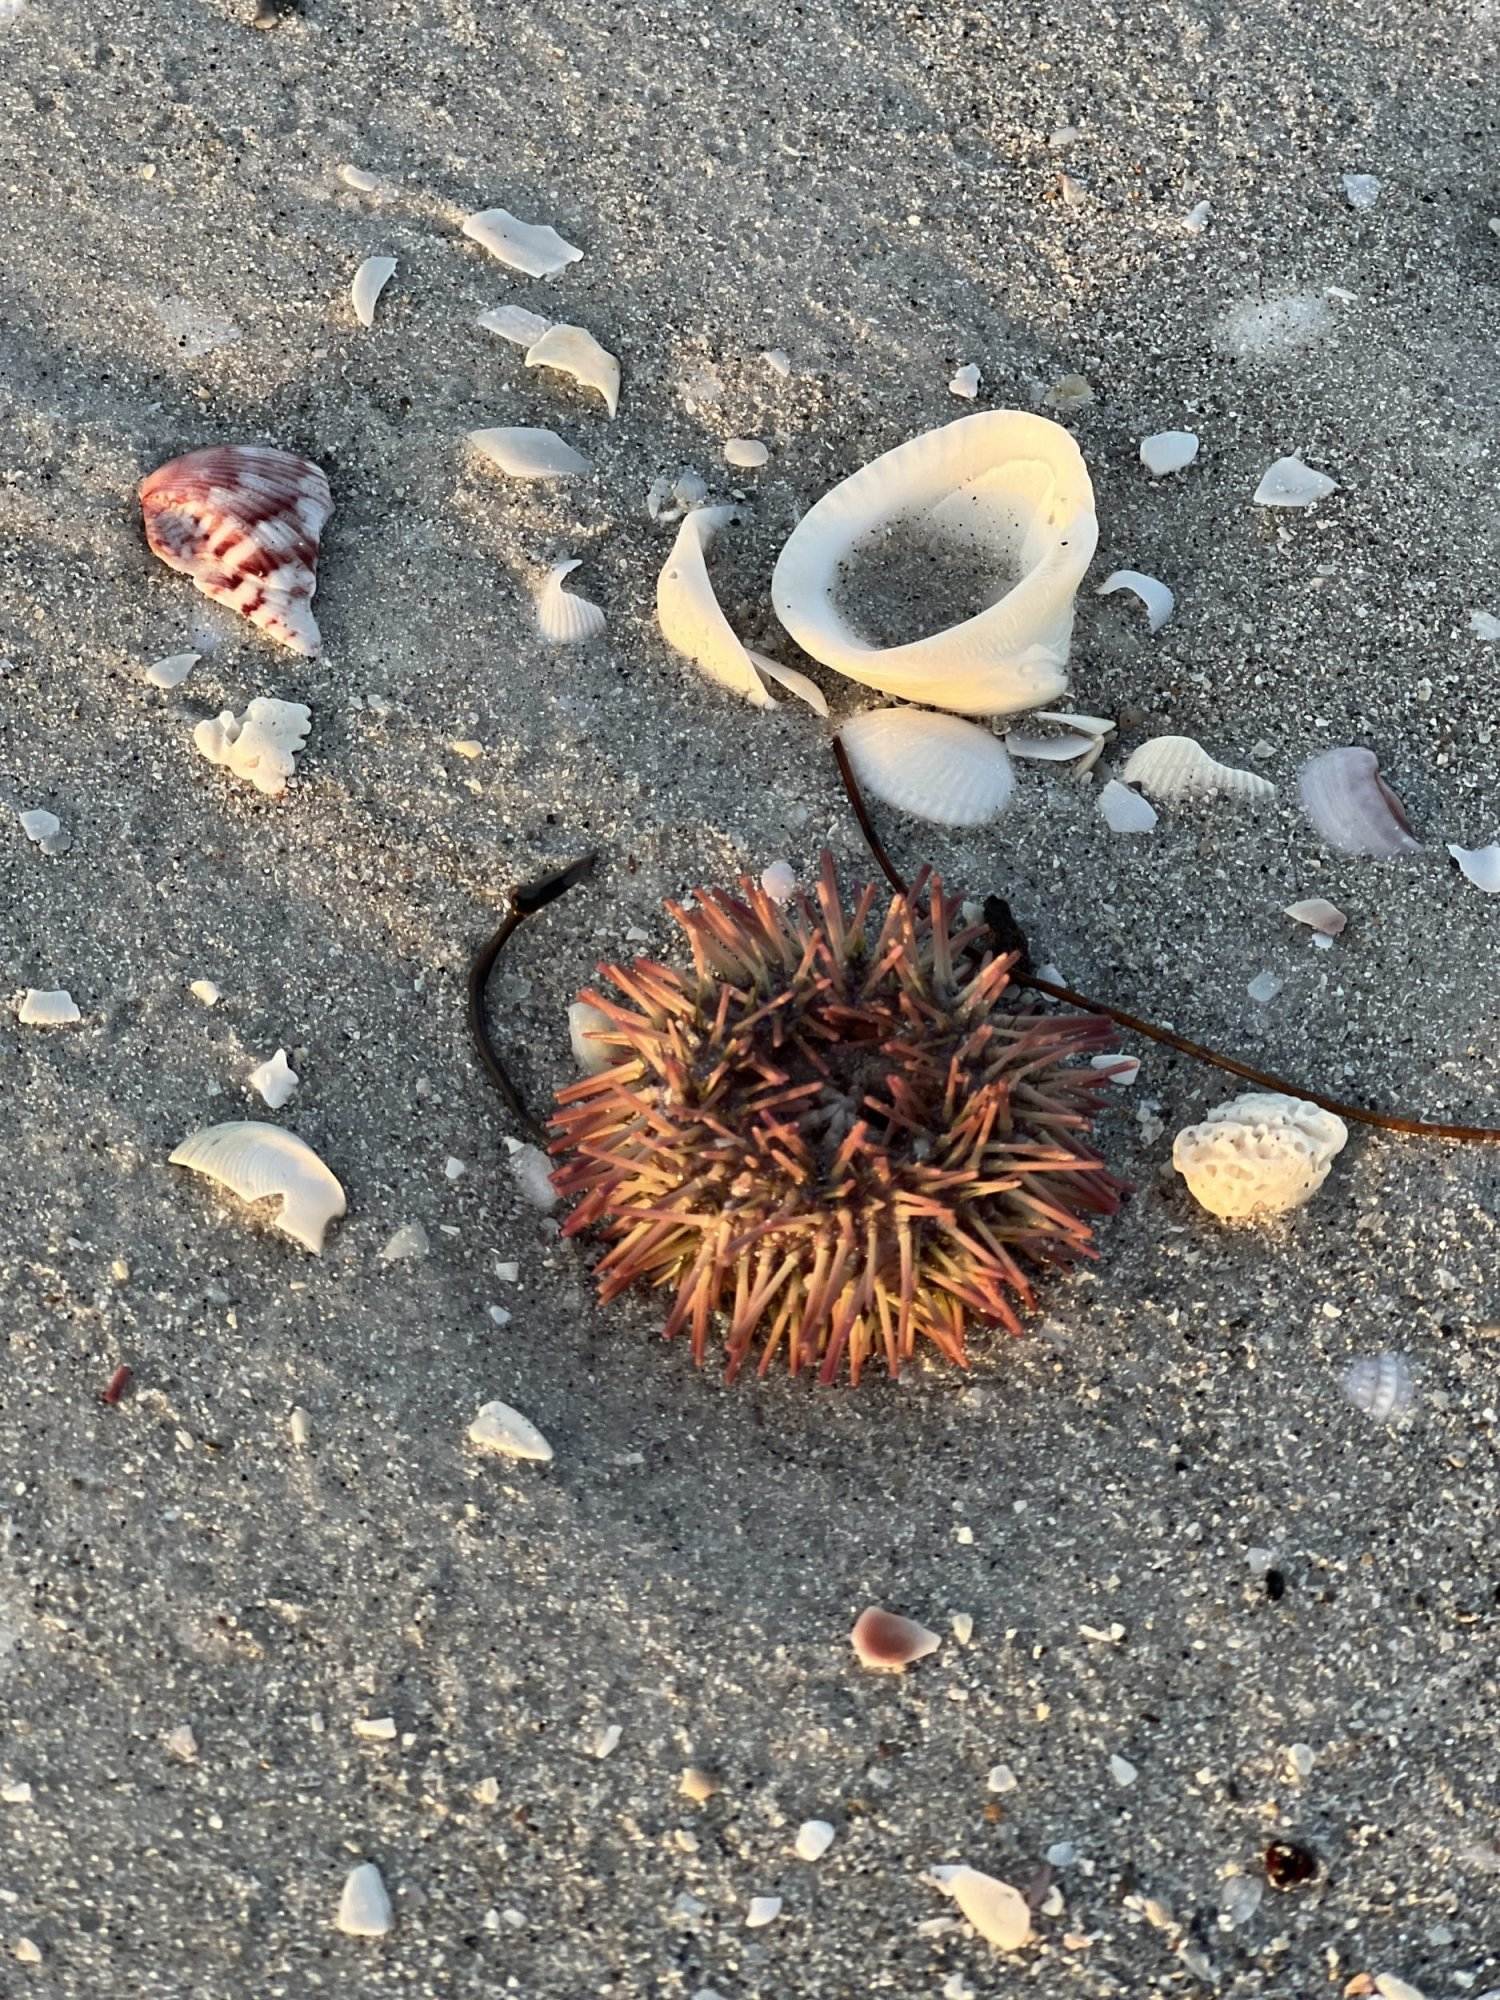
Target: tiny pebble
{"x": 300, "y": 1425}
{"x": 26, "y": 1952}
{"x": 119, "y": 1270}
{"x": 1061, "y": 1854}
{"x": 607, "y": 1740}
{"x": 206, "y": 991}
{"x": 364, "y": 1908}
{"x": 697, "y": 1784}
{"x": 15, "y": 1792}
{"x": 763, "y": 1910}
{"x": 685, "y": 1840}
{"x": 499, "y": 1316}
{"x": 181, "y": 1742}
{"x": 1301, "y": 1757}
{"x": 814, "y": 1838}
{"x": 375, "y": 1728}
{"x": 964, "y": 1536}
{"x": 1001, "y": 1778}
{"x": 487, "y": 1792}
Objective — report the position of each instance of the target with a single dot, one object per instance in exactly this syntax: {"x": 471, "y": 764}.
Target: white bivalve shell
{"x": 1260, "y": 1154}
{"x": 563, "y": 618}
{"x": 257, "y": 1161}
{"x": 525, "y": 452}
{"x": 936, "y": 767}
{"x": 1000, "y": 1914}
{"x": 1177, "y": 767}
{"x": 370, "y": 280}
{"x": 1005, "y": 491}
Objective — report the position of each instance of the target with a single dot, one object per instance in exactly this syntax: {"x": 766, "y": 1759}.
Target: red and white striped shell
{"x": 244, "y": 521}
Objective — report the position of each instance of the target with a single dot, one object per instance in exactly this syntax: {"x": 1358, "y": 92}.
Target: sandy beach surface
{"x": 1180, "y": 1546}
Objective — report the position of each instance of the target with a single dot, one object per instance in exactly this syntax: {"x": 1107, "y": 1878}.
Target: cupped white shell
{"x": 499, "y": 1428}
{"x": 693, "y": 622}
{"x": 364, "y": 1906}
{"x": 1166, "y": 452}
{"x": 527, "y": 453}
{"x": 261, "y": 745}
{"x": 1381, "y": 1385}
{"x": 1003, "y": 487}
{"x": 370, "y": 280}
{"x": 563, "y": 618}
{"x": 1262, "y": 1153}
{"x": 258, "y": 1161}
{"x": 573, "y": 350}
{"x": 1153, "y": 593}
{"x": 532, "y": 247}
{"x": 1352, "y": 806}
{"x": 1178, "y": 767}
{"x": 936, "y": 767}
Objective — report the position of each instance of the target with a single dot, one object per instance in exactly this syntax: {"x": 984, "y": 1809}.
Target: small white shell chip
{"x": 364, "y": 1907}
{"x": 1157, "y": 598}
{"x": 501, "y": 1429}
{"x": 1165, "y": 452}
{"x": 999, "y": 1913}
{"x": 965, "y": 381}
{"x": 1290, "y": 483}
{"x": 814, "y": 1838}
{"x": 532, "y": 247}
{"x": 1125, "y": 811}
{"x": 573, "y": 350}
{"x": 528, "y": 453}
{"x": 746, "y": 452}
{"x": 1480, "y": 865}
{"x": 40, "y": 1008}
{"x": 172, "y": 671}
{"x": 515, "y": 323}
{"x": 370, "y": 280}
{"x": 274, "y": 1079}
{"x": 256, "y": 1162}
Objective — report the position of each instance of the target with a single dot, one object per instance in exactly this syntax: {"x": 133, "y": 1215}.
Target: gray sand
{"x": 871, "y": 189}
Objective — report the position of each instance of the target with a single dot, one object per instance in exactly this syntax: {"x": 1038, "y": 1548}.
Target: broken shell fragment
{"x": 563, "y": 618}
{"x": 814, "y": 1838}
{"x": 1361, "y": 190}
{"x": 573, "y": 350}
{"x": 364, "y": 1907}
{"x": 1484, "y": 625}
{"x": 515, "y": 323}
{"x": 749, "y": 453}
{"x": 261, "y": 745}
{"x": 1352, "y": 806}
{"x": 256, "y": 1162}
{"x": 936, "y": 767}
{"x": 1290, "y": 483}
{"x": 172, "y": 671}
{"x": 533, "y": 1173}
{"x": 1003, "y": 490}
{"x": 586, "y": 1023}
{"x": 370, "y": 280}
{"x": 887, "y": 1643}
{"x": 1262, "y": 1153}
{"x": 1125, "y": 811}
{"x": 1178, "y": 767}
{"x": 1157, "y": 598}
{"x": 693, "y": 623}
{"x": 501, "y": 1429}
{"x": 1381, "y": 1385}
{"x": 42, "y": 828}
{"x": 1480, "y": 865}
{"x": 40, "y": 1008}
{"x": 1000, "y": 1914}
{"x": 528, "y": 453}
{"x": 244, "y": 522}
{"x": 1326, "y": 918}
{"x": 275, "y": 1080}
{"x": 1166, "y": 452}
{"x": 965, "y": 381}
{"x": 532, "y": 247}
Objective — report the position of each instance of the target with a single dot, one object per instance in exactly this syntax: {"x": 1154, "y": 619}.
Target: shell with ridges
{"x": 257, "y": 1161}
{"x": 573, "y": 350}
{"x": 936, "y": 767}
{"x": 1381, "y": 1385}
{"x": 1352, "y": 806}
{"x": 563, "y": 618}
{"x": 1178, "y": 767}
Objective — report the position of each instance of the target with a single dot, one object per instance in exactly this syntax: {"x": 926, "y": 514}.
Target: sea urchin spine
{"x": 836, "y": 1131}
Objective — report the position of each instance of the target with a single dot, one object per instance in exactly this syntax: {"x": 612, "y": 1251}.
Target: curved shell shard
{"x": 1353, "y": 808}
{"x": 532, "y": 247}
{"x": 370, "y": 280}
{"x": 693, "y": 623}
{"x": 528, "y": 453}
{"x": 1480, "y": 865}
{"x": 244, "y": 522}
{"x": 1157, "y": 598}
{"x": 1178, "y": 767}
{"x": 1290, "y": 483}
{"x": 258, "y": 1162}
{"x": 563, "y": 618}
{"x": 1003, "y": 489}
{"x": 573, "y": 350}
{"x": 936, "y": 767}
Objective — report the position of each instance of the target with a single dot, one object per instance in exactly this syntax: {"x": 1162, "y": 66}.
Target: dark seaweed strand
{"x": 524, "y": 902}
{"x": 1010, "y": 938}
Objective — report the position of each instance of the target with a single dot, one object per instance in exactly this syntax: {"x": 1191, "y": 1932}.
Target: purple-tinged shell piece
{"x": 1352, "y": 806}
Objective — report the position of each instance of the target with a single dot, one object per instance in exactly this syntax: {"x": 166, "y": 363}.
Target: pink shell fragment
{"x": 887, "y": 1643}
{"x": 1352, "y": 806}
{"x": 244, "y": 522}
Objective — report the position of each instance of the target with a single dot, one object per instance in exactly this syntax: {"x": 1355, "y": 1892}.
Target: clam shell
{"x": 1005, "y": 485}
{"x": 1060, "y": 748}
{"x": 515, "y": 323}
{"x": 1177, "y": 767}
{"x": 1353, "y": 808}
{"x": 528, "y": 453}
{"x": 1262, "y": 1153}
{"x": 1290, "y": 483}
{"x": 1125, "y": 811}
{"x": 532, "y": 247}
{"x": 573, "y": 350}
{"x": 1157, "y": 598}
{"x": 887, "y": 1643}
{"x": 1166, "y": 452}
{"x": 370, "y": 280}
{"x": 40, "y": 1008}
{"x": 936, "y": 767}
{"x": 1481, "y": 865}
{"x": 563, "y": 618}
{"x": 1000, "y": 1914}
{"x": 1381, "y": 1385}
{"x": 244, "y": 522}
{"x": 748, "y": 453}
{"x": 501, "y": 1429}
{"x": 693, "y": 623}
{"x": 261, "y": 745}
{"x": 256, "y": 1162}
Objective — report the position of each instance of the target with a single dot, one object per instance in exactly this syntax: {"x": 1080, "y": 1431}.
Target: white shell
{"x": 206, "y": 991}
{"x": 999, "y": 1913}
{"x": 1060, "y": 748}
{"x": 261, "y": 745}
{"x": 172, "y": 671}
{"x": 361, "y": 180}
{"x": 364, "y": 1907}
{"x": 573, "y": 350}
{"x": 814, "y": 1838}
{"x": 693, "y": 623}
{"x": 1352, "y": 806}
{"x": 778, "y": 361}
{"x": 527, "y": 453}
{"x": 515, "y": 323}
{"x": 1006, "y": 484}
{"x": 936, "y": 767}
{"x": 1390, "y": 1986}
{"x": 499, "y": 1428}
{"x": 1484, "y": 625}
{"x": 1480, "y": 864}
{"x": 1154, "y": 594}
{"x": 1381, "y": 1385}
{"x": 584, "y": 1023}
{"x": 1168, "y": 451}
{"x": 41, "y": 1008}
{"x": 370, "y": 280}
{"x": 1198, "y": 218}
{"x": 406, "y": 1245}
{"x": 1261, "y": 1153}
{"x": 533, "y": 1173}
{"x": 39, "y": 825}
{"x": 1178, "y": 767}
{"x": 532, "y": 247}
{"x": 275, "y": 1080}
{"x": 1326, "y": 918}
{"x": 1126, "y": 811}
{"x": 779, "y": 881}
{"x": 763, "y": 1910}
{"x": 256, "y": 1161}
{"x": 564, "y": 619}
{"x": 1361, "y": 190}
{"x": 746, "y": 452}
{"x": 1290, "y": 483}
{"x": 965, "y": 381}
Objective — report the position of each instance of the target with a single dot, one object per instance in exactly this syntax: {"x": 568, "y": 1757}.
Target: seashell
{"x": 275, "y": 1080}
{"x": 1003, "y": 486}
{"x": 965, "y": 381}
{"x": 467, "y": 747}
{"x": 532, "y": 247}
{"x": 749, "y": 453}
{"x": 533, "y": 1172}
{"x": 962, "y": 1627}
{"x": 1261, "y": 1153}
{"x": 693, "y": 624}
{"x": 1390, "y": 1986}
{"x": 515, "y": 323}
{"x": 606, "y": 1742}
{"x": 1361, "y": 190}
{"x": 1484, "y": 625}
{"x": 789, "y": 678}
{"x": 1177, "y": 767}
{"x": 1158, "y": 600}
{"x": 40, "y": 1008}
{"x": 573, "y": 350}
{"x": 779, "y": 881}
{"x": 44, "y": 830}
{"x": 1290, "y": 483}
{"x": 1326, "y": 918}
{"x": 1264, "y": 987}
{"x": 256, "y": 1161}
{"x": 261, "y": 745}
{"x": 527, "y": 453}
{"x": 1069, "y": 392}
{"x": 585, "y": 1024}
{"x": 244, "y": 522}
{"x": 684, "y": 490}
{"x": 1000, "y": 1914}
{"x": 1122, "y": 1770}
{"x": 563, "y": 618}
{"x": 205, "y": 991}
{"x": 936, "y": 767}
{"x": 1381, "y": 1385}
{"x": 172, "y": 671}
{"x": 1353, "y": 808}
{"x": 1121, "y": 1071}
{"x": 407, "y": 1245}
{"x": 1061, "y": 748}
{"x": 887, "y": 1643}
{"x": 364, "y": 1907}
{"x": 1481, "y": 865}
{"x": 1198, "y": 218}
{"x": 364, "y": 182}
{"x": 762, "y": 1910}
{"x": 1126, "y": 811}
{"x": 499, "y": 1428}
{"x": 1168, "y": 451}
{"x": 370, "y": 280}
{"x": 814, "y": 1838}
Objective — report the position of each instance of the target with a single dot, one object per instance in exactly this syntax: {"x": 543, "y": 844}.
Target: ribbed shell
{"x": 256, "y": 1161}
{"x": 563, "y": 618}
{"x": 936, "y": 767}
{"x": 1177, "y": 767}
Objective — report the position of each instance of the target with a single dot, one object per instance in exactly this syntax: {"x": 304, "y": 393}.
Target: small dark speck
{"x": 1275, "y": 1585}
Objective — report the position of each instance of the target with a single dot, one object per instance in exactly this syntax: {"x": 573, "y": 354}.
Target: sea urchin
{"x": 836, "y": 1131}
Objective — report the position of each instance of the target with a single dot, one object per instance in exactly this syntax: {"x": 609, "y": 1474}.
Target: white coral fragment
{"x": 370, "y": 280}
{"x": 1259, "y": 1154}
{"x": 1153, "y": 593}
{"x": 259, "y": 1162}
{"x": 532, "y": 247}
{"x": 261, "y": 746}
{"x": 573, "y": 350}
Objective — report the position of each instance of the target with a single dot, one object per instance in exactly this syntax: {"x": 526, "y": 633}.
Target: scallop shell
{"x": 1154, "y": 594}
{"x": 244, "y": 522}
{"x": 1381, "y": 1385}
{"x": 887, "y": 1643}
{"x": 693, "y": 623}
{"x": 563, "y": 618}
{"x": 532, "y": 247}
{"x": 1125, "y": 811}
{"x": 1005, "y": 483}
{"x": 936, "y": 767}
{"x": 1166, "y": 452}
{"x": 370, "y": 280}
{"x": 501, "y": 1429}
{"x": 516, "y": 324}
{"x": 40, "y": 1008}
{"x": 1352, "y": 806}
{"x": 1177, "y": 767}
{"x": 527, "y": 453}
{"x": 1262, "y": 1153}
{"x": 274, "y": 1080}
{"x": 1480, "y": 865}
{"x": 1290, "y": 483}
{"x": 256, "y": 1161}
{"x": 260, "y": 746}
{"x": 1000, "y": 1914}
{"x": 573, "y": 350}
